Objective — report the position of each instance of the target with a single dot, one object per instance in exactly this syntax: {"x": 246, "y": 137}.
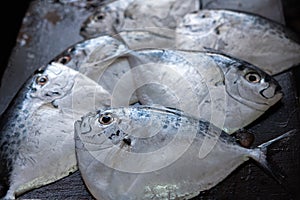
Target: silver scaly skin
{"x": 226, "y": 91}
{"x": 127, "y": 15}
{"x": 152, "y": 152}
{"x": 37, "y": 142}
{"x": 260, "y": 41}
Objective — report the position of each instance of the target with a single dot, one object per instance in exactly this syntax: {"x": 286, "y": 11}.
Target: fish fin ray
{"x": 261, "y": 157}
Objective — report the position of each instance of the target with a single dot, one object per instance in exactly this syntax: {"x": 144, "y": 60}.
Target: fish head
{"x": 101, "y": 128}
{"x": 114, "y": 126}
{"x": 248, "y": 84}
{"x": 204, "y": 23}
{"x": 88, "y": 53}
{"x": 52, "y": 82}
{"x": 99, "y": 23}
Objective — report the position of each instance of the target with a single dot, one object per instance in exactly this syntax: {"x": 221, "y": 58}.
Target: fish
{"x": 265, "y": 43}
{"x": 104, "y": 19}
{"x": 100, "y": 59}
{"x": 228, "y": 92}
{"x": 90, "y": 4}
{"x": 261, "y": 7}
{"x": 158, "y": 17}
{"x": 104, "y": 59}
{"x": 37, "y": 144}
{"x": 152, "y": 152}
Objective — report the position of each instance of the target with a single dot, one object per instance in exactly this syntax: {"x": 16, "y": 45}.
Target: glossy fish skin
{"x": 104, "y": 20}
{"x": 99, "y": 58}
{"x": 103, "y": 58}
{"x": 274, "y": 49}
{"x": 156, "y": 16}
{"x": 92, "y": 56}
{"x": 209, "y": 85}
{"x": 118, "y": 161}
{"x": 37, "y": 141}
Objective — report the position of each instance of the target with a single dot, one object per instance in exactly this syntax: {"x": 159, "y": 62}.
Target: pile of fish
{"x": 146, "y": 105}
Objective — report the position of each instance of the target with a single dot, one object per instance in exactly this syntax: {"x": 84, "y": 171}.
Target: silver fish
{"x": 155, "y": 16}
{"x": 104, "y": 59}
{"x": 99, "y": 58}
{"x": 37, "y": 129}
{"x": 153, "y": 153}
{"x": 226, "y": 91}
{"x": 260, "y": 41}
{"x": 83, "y": 3}
{"x": 104, "y": 20}
{"x": 266, "y": 8}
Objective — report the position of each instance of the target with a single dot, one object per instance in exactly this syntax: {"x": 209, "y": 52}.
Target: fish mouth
{"x": 270, "y": 92}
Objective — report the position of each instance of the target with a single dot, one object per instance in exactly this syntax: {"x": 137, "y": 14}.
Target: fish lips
{"x": 270, "y": 92}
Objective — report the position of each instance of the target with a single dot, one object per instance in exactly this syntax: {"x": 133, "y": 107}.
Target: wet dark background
{"x": 248, "y": 181}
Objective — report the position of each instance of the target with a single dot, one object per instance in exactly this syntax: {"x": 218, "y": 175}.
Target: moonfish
{"x": 104, "y": 59}
{"x": 158, "y": 17}
{"x": 37, "y": 130}
{"x": 104, "y": 20}
{"x": 226, "y": 91}
{"x": 100, "y": 59}
{"x": 260, "y": 41}
{"x": 155, "y": 153}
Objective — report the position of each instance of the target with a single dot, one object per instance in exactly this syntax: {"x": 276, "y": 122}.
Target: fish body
{"x": 154, "y": 153}
{"x": 100, "y": 59}
{"x": 37, "y": 142}
{"x": 260, "y": 41}
{"x": 164, "y": 13}
{"x": 158, "y": 17}
{"x": 104, "y": 20}
{"x": 226, "y": 91}
{"x": 260, "y": 7}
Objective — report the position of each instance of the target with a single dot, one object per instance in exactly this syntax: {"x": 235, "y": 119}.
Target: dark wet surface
{"x": 48, "y": 28}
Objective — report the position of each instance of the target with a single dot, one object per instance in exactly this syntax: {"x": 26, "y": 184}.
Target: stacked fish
{"x": 159, "y": 87}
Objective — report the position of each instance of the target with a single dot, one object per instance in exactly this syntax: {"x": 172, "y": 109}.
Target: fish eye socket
{"x": 253, "y": 77}
{"x": 99, "y": 17}
{"x": 41, "y": 80}
{"x": 72, "y": 50}
{"x": 106, "y": 119}
{"x": 64, "y": 60}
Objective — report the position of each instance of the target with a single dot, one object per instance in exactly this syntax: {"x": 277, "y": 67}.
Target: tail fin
{"x": 260, "y": 156}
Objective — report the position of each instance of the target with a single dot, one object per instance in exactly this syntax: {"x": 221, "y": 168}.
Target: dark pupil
{"x": 106, "y": 119}
{"x": 99, "y": 17}
{"x": 252, "y": 78}
{"x": 42, "y": 80}
{"x": 63, "y": 61}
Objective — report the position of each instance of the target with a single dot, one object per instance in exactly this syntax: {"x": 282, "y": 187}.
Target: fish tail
{"x": 260, "y": 155}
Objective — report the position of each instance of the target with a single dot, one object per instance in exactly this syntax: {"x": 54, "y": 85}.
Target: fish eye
{"x": 41, "y": 80}
{"x": 71, "y": 50}
{"x": 99, "y": 17}
{"x": 64, "y": 60}
{"x": 253, "y": 77}
{"x": 106, "y": 119}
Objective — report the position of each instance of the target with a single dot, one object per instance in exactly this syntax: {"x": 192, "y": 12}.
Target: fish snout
{"x": 271, "y": 90}
{"x": 272, "y": 87}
